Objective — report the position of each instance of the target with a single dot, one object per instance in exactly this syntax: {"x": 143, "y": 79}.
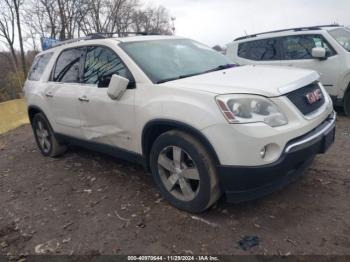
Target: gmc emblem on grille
{"x": 314, "y": 96}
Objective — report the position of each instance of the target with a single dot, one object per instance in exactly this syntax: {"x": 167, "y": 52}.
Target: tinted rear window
{"x": 38, "y": 67}
{"x": 260, "y": 50}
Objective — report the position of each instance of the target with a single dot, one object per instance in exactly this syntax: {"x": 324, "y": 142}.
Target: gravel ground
{"x": 89, "y": 203}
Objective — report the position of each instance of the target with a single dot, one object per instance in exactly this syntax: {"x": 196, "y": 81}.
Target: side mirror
{"x": 319, "y": 53}
{"x": 117, "y": 87}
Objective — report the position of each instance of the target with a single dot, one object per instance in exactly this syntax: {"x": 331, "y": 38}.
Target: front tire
{"x": 347, "y": 103}
{"x": 45, "y": 137}
{"x": 184, "y": 172}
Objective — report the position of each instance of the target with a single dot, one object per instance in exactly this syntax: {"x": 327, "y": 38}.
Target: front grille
{"x": 299, "y": 99}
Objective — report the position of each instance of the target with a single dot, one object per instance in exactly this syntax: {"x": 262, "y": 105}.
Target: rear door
{"x": 297, "y": 52}
{"x": 259, "y": 52}
{"x": 64, "y": 92}
{"x": 106, "y": 121}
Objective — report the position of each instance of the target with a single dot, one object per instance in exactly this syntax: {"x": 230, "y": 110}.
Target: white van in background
{"x": 325, "y": 49}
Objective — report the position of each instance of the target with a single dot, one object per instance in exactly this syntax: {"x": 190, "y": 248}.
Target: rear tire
{"x": 45, "y": 137}
{"x": 184, "y": 172}
{"x": 347, "y": 103}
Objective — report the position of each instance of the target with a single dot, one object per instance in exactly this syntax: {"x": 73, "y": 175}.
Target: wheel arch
{"x": 346, "y": 101}
{"x": 154, "y": 128}
{"x": 345, "y": 83}
{"x": 32, "y": 111}
{"x": 347, "y": 89}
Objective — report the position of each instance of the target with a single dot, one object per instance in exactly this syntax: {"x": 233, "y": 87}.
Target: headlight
{"x": 250, "y": 109}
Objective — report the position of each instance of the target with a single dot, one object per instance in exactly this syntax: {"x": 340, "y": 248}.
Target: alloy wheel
{"x": 178, "y": 173}
{"x": 43, "y": 136}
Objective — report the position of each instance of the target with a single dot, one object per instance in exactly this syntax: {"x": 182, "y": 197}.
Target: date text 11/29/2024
{"x": 173, "y": 258}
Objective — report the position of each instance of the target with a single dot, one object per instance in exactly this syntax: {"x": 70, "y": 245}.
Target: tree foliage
{"x": 66, "y": 19}
{"x": 7, "y": 28}
{"x": 26, "y": 21}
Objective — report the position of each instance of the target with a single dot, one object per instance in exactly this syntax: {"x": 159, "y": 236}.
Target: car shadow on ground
{"x": 145, "y": 178}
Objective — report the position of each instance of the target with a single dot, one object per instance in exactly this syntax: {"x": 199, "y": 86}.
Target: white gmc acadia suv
{"x": 325, "y": 49}
{"x": 202, "y": 126}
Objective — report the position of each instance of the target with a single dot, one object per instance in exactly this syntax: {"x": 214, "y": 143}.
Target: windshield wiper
{"x": 220, "y": 67}
{"x": 178, "y": 77}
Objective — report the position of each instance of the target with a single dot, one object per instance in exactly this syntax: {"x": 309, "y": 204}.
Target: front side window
{"x": 260, "y": 50}
{"x": 100, "y": 64}
{"x": 342, "y": 36}
{"x": 300, "y": 46}
{"x": 171, "y": 59}
{"x": 38, "y": 67}
{"x": 67, "y": 69}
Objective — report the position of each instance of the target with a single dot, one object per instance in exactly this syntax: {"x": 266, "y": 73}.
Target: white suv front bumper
{"x": 242, "y": 183}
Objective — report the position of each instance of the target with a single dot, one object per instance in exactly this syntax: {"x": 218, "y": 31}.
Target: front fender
{"x": 190, "y": 108}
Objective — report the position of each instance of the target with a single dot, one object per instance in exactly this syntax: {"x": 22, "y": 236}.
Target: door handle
{"x": 49, "y": 94}
{"x": 83, "y": 99}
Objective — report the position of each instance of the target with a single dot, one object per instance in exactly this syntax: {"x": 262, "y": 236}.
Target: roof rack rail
{"x": 65, "y": 42}
{"x": 317, "y": 27}
{"x": 121, "y": 34}
{"x": 94, "y": 36}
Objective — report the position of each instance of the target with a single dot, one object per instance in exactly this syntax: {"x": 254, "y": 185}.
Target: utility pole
{"x": 17, "y": 5}
{"x": 173, "y": 18}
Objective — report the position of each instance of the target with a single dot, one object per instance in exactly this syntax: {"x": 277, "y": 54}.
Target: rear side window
{"x": 67, "y": 67}
{"x": 300, "y": 46}
{"x": 260, "y": 50}
{"x": 38, "y": 67}
{"x": 100, "y": 64}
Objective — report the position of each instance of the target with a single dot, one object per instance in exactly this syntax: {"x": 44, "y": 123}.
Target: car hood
{"x": 268, "y": 81}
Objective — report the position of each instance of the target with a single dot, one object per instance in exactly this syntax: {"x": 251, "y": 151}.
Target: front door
{"x": 297, "y": 52}
{"x": 103, "y": 120}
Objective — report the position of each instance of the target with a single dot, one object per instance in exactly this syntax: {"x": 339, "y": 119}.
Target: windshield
{"x": 166, "y": 60}
{"x": 342, "y": 36}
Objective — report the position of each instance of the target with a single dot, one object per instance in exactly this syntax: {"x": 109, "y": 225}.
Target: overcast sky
{"x": 220, "y": 21}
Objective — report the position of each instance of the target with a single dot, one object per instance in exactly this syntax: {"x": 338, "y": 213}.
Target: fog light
{"x": 263, "y": 152}
{"x": 270, "y": 152}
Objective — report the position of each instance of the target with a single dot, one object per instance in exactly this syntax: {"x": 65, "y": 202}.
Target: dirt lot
{"x": 88, "y": 203}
